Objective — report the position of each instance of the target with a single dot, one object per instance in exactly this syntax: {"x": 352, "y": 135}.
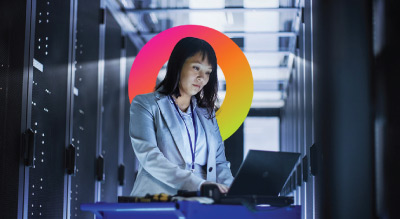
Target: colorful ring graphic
{"x": 232, "y": 61}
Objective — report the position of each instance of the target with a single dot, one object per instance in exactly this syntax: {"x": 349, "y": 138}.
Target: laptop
{"x": 259, "y": 180}
{"x": 262, "y": 176}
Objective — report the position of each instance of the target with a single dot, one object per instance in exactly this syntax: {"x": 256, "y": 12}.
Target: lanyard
{"x": 195, "y": 131}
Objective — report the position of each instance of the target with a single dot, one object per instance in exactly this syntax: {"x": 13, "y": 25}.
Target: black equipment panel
{"x": 84, "y": 134}
{"x": 49, "y": 109}
{"x": 111, "y": 106}
{"x": 12, "y": 103}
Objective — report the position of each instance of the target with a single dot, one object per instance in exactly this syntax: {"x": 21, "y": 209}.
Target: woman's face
{"x": 194, "y": 75}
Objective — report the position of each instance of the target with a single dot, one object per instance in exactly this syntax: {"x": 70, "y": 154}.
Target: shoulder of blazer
{"x": 147, "y": 101}
{"x": 149, "y": 97}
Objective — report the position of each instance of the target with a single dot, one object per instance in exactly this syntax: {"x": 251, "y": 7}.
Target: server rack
{"x": 386, "y": 99}
{"x": 110, "y": 109}
{"x": 45, "y": 192}
{"x": 15, "y": 32}
{"x": 297, "y": 117}
{"x": 129, "y": 159}
{"x": 58, "y": 60}
{"x": 85, "y": 106}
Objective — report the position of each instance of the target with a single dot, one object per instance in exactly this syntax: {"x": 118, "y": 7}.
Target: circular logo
{"x": 232, "y": 61}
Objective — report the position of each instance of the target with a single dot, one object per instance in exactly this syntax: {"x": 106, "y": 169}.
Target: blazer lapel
{"x": 171, "y": 120}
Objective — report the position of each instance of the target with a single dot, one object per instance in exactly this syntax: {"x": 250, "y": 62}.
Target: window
{"x": 261, "y": 133}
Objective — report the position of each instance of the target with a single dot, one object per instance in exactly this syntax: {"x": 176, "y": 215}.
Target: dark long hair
{"x": 185, "y": 48}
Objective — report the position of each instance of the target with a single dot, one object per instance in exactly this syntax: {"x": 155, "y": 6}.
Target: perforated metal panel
{"x": 110, "y": 123}
{"x": 49, "y": 109}
{"x": 85, "y": 106}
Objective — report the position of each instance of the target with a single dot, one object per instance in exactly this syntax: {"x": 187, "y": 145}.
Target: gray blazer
{"x": 157, "y": 143}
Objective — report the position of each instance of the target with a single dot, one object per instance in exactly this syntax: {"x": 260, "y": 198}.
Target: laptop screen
{"x": 263, "y": 173}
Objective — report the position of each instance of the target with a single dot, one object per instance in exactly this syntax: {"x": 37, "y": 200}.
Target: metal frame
{"x": 237, "y": 33}
{"x": 102, "y": 29}
{"x": 184, "y": 10}
{"x": 27, "y": 101}
{"x": 122, "y": 106}
{"x": 70, "y": 100}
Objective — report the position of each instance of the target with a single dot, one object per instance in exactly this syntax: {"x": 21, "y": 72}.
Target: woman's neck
{"x": 183, "y": 102}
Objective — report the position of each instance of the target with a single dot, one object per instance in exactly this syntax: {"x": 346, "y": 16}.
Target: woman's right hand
{"x": 222, "y": 188}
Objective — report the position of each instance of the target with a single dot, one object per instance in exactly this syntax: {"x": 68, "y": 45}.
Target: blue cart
{"x": 188, "y": 209}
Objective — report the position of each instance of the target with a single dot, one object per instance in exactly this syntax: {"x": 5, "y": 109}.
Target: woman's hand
{"x": 222, "y": 188}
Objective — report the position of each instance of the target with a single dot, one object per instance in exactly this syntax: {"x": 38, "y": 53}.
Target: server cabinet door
{"x": 46, "y": 193}
{"x": 84, "y": 130}
{"x": 14, "y": 47}
{"x": 111, "y": 104}
{"x": 129, "y": 158}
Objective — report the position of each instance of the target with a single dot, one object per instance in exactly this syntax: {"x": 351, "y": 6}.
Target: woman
{"x": 173, "y": 130}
